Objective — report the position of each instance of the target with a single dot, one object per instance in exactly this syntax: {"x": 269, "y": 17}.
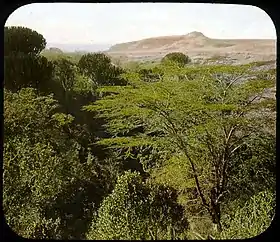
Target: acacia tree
{"x": 204, "y": 121}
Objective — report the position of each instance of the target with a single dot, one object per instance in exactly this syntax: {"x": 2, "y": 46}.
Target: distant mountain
{"x": 79, "y": 47}
{"x": 198, "y": 47}
{"x": 192, "y": 41}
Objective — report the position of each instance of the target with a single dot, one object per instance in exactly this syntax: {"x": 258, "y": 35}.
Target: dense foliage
{"x": 209, "y": 123}
{"x": 37, "y": 72}
{"x": 23, "y": 66}
{"x": 99, "y": 68}
{"x": 23, "y": 40}
{"x": 149, "y": 151}
{"x": 136, "y": 210}
{"x": 252, "y": 219}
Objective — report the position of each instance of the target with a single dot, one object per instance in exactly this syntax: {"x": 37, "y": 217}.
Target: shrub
{"x": 177, "y": 57}
{"x": 138, "y": 210}
{"x": 252, "y": 219}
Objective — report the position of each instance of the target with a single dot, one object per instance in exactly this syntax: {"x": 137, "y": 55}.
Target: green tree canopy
{"x": 99, "y": 68}
{"x": 32, "y": 151}
{"x": 64, "y": 72}
{"x": 22, "y": 40}
{"x": 206, "y": 121}
{"x": 21, "y": 71}
{"x": 23, "y": 66}
{"x": 48, "y": 191}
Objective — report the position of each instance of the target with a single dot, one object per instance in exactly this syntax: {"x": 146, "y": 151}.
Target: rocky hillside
{"x": 199, "y": 47}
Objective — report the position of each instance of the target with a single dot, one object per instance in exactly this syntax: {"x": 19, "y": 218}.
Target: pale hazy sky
{"x": 111, "y": 23}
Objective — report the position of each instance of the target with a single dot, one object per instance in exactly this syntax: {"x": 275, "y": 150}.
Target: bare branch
{"x": 240, "y": 139}
{"x": 235, "y": 80}
{"x": 236, "y": 148}
{"x": 220, "y": 196}
{"x": 247, "y": 104}
{"x": 230, "y": 133}
{"x": 225, "y": 159}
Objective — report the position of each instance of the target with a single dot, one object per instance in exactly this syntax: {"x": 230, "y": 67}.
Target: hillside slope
{"x": 197, "y": 45}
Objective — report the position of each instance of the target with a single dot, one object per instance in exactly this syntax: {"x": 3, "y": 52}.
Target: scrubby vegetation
{"x": 94, "y": 150}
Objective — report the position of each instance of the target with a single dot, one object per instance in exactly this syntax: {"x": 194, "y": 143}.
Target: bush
{"x": 148, "y": 75}
{"x": 177, "y": 57}
{"x": 138, "y": 210}
{"x": 252, "y": 219}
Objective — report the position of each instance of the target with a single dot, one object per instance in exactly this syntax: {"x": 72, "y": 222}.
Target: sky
{"x": 111, "y": 23}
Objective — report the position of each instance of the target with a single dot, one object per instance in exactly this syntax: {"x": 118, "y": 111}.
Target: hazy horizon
{"x": 79, "y": 47}
{"x": 107, "y": 24}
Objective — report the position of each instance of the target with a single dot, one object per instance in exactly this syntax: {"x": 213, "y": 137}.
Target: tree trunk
{"x": 217, "y": 227}
{"x": 215, "y": 210}
{"x": 216, "y": 217}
